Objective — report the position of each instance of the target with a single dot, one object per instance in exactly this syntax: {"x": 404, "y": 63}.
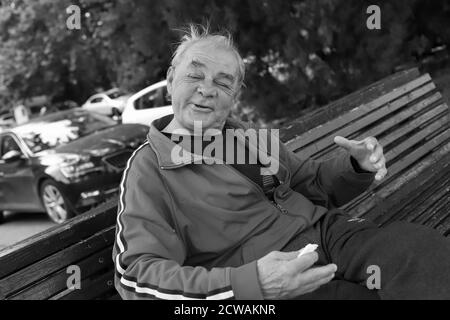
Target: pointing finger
{"x": 343, "y": 142}
{"x": 348, "y": 144}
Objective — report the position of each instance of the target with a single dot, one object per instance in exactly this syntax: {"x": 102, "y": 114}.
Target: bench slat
{"x": 377, "y": 199}
{"x": 314, "y": 117}
{"x": 440, "y": 216}
{"x": 444, "y": 227}
{"x": 416, "y": 138}
{"x": 356, "y": 125}
{"x": 57, "y": 238}
{"x": 92, "y": 288}
{"x": 364, "y": 110}
{"x": 435, "y": 211}
{"x": 420, "y": 177}
{"x": 51, "y": 264}
{"x": 395, "y": 166}
{"x": 412, "y": 117}
{"x": 419, "y": 202}
{"x": 432, "y": 202}
{"x": 56, "y": 282}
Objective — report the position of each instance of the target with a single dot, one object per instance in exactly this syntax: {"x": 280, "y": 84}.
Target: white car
{"x": 147, "y": 105}
{"x": 109, "y": 103}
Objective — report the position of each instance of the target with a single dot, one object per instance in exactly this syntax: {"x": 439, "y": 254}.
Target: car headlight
{"x": 77, "y": 170}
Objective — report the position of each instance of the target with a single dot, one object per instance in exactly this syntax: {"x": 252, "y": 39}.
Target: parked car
{"x": 59, "y": 106}
{"x": 64, "y": 163}
{"x": 109, "y": 103}
{"x": 6, "y": 121}
{"x": 40, "y": 107}
{"x": 147, "y": 105}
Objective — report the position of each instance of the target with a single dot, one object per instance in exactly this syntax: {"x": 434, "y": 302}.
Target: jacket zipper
{"x": 276, "y": 205}
{"x": 280, "y": 207}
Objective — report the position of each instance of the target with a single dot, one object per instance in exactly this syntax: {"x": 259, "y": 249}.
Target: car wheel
{"x": 55, "y": 203}
{"x": 2, "y": 217}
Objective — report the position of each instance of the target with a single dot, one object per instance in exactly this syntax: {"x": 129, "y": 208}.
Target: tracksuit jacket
{"x": 195, "y": 231}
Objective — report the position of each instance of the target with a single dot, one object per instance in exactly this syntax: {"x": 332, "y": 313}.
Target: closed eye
{"x": 195, "y": 76}
{"x": 227, "y": 86}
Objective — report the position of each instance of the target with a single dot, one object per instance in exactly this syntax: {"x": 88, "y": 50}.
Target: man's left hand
{"x": 368, "y": 153}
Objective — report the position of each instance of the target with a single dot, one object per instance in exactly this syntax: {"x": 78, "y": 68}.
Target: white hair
{"x": 194, "y": 34}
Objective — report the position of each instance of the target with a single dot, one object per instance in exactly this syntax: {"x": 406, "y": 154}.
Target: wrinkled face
{"x": 203, "y": 86}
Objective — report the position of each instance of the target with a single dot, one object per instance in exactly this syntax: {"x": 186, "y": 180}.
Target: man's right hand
{"x": 284, "y": 276}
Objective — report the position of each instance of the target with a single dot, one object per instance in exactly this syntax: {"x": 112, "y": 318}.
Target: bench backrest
{"x": 403, "y": 111}
{"x": 36, "y": 268}
{"x": 412, "y": 124}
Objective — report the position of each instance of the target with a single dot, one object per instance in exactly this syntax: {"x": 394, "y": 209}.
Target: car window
{"x": 61, "y": 128}
{"x": 153, "y": 99}
{"x": 97, "y": 100}
{"x": 8, "y": 144}
{"x": 116, "y": 94}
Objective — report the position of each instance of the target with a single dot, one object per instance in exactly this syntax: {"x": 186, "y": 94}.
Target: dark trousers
{"x": 413, "y": 261}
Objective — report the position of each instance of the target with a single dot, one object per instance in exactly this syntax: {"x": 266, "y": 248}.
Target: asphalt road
{"x": 21, "y": 225}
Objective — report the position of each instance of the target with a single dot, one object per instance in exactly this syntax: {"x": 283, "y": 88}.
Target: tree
{"x": 298, "y": 53}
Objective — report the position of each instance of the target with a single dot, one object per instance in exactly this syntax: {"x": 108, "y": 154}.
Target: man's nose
{"x": 207, "y": 91}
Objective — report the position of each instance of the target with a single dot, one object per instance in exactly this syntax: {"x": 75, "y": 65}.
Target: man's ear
{"x": 169, "y": 78}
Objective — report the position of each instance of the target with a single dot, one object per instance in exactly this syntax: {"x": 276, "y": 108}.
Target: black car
{"x": 65, "y": 162}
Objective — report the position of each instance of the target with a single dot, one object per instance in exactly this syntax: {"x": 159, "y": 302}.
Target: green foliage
{"x": 299, "y": 53}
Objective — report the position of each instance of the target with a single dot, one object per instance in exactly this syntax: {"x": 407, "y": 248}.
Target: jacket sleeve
{"x": 330, "y": 183}
{"x": 149, "y": 253}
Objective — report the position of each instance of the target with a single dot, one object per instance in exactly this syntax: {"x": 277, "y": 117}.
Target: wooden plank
{"x": 432, "y": 204}
{"x": 398, "y": 181}
{"x": 349, "y": 127}
{"x": 409, "y": 118}
{"x": 364, "y": 110}
{"x": 394, "y": 167}
{"x": 389, "y": 186}
{"x": 59, "y": 260}
{"x": 424, "y": 175}
{"x": 358, "y": 206}
{"x": 418, "y": 137}
{"x": 435, "y": 214}
{"x": 92, "y": 288}
{"x": 417, "y": 192}
{"x": 440, "y": 215}
{"x": 313, "y": 118}
{"x": 444, "y": 227}
{"x": 57, "y": 238}
{"x": 56, "y": 282}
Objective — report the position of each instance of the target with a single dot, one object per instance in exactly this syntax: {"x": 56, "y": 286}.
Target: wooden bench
{"x": 404, "y": 111}
{"x": 411, "y": 121}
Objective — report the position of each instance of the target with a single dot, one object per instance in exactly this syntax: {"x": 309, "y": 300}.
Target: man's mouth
{"x": 201, "y": 107}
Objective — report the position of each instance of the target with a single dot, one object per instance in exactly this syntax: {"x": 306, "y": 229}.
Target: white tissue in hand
{"x": 307, "y": 249}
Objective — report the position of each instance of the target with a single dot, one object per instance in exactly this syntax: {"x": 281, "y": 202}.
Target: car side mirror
{"x": 12, "y": 156}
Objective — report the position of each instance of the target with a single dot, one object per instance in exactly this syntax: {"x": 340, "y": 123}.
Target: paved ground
{"x": 18, "y": 226}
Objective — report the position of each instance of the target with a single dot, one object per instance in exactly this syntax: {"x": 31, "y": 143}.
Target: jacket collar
{"x": 163, "y": 146}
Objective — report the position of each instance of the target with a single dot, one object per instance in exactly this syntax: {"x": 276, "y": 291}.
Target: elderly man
{"x": 189, "y": 227}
